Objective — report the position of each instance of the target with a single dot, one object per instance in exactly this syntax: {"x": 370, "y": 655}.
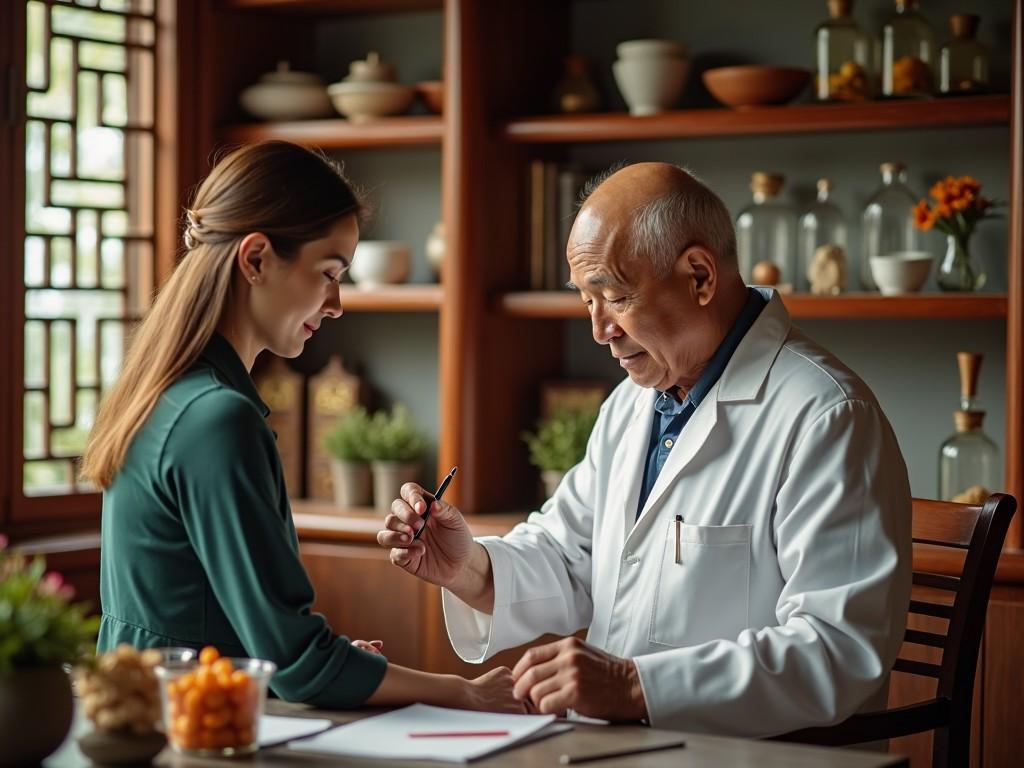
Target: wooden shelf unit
{"x": 392, "y": 298}
{"x": 566, "y": 304}
{"x": 759, "y": 121}
{"x": 381, "y": 133}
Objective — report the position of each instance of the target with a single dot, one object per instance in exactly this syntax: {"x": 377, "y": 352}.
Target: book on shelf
{"x": 554, "y": 190}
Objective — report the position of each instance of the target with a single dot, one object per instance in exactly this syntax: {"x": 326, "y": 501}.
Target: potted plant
{"x": 347, "y": 442}
{"x": 40, "y": 632}
{"x": 559, "y": 443}
{"x": 395, "y": 447}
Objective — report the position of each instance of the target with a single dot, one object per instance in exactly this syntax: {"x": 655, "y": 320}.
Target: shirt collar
{"x": 666, "y": 403}
{"x": 222, "y": 358}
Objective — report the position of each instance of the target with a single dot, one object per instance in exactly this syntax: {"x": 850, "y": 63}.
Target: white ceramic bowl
{"x": 286, "y": 95}
{"x": 641, "y": 49}
{"x": 360, "y": 101}
{"x": 901, "y": 272}
{"x": 380, "y": 262}
{"x": 650, "y": 85}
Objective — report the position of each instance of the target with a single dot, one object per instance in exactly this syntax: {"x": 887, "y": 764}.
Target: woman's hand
{"x": 373, "y": 646}
{"x": 493, "y": 692}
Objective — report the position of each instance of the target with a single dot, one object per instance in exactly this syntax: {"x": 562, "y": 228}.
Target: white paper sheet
{"x": 277, "y": 730}
{"x": 388, "y": 735}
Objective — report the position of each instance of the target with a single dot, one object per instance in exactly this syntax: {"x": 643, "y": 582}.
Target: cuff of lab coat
{"x": 469, "y": 630}
{"x": 657, "y": 698}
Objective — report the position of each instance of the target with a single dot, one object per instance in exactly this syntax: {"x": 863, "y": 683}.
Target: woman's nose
{"x": 332, "y": 307}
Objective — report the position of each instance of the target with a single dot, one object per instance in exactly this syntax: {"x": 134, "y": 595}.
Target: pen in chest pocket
{"x": 679, "y": 526}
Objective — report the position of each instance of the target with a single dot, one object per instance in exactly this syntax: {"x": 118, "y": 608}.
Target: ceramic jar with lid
{"x": 369, "y": 90}
{"x": 286, "y": 95}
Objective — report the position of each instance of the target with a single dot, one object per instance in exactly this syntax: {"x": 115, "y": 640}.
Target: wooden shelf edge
{"x": 340, "y": 7}
{"x": 392, "y": 298}
{"x": 801, "y": 118}
{"x": 413, "y": 130}
{"x": 564, "y": 304}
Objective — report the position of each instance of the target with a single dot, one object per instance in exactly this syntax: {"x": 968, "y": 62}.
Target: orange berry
{"x": 222, "y": 667}
{"x": 243, "y": 718}
{"x": 214, "y": 699}
{"x": 217, "y": 718}
{"x": 208, "y": 655}
{"x": 193, "y": 702}
{"x": 186, "y": 681}
{"x": 246, "y": 736}
{"x": 207, "y": 739}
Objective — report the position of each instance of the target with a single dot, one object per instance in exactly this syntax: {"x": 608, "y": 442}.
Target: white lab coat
{"x": 788, "y": 605}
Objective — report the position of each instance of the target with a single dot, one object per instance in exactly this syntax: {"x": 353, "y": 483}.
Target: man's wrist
{"x": 635, "y": 701}
{"x": 474, "y": 584}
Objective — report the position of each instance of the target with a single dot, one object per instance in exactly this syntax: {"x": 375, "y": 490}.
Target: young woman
{"x": 198, "y": 544}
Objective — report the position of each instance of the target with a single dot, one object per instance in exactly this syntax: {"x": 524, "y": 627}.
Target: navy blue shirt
{"x": 670, "y": 415}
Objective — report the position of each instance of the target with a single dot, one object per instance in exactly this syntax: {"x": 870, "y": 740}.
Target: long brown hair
{"x": 292, "y": 195}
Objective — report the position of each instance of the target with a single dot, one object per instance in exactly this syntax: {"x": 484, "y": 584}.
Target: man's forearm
{"x": 475, "y": 583}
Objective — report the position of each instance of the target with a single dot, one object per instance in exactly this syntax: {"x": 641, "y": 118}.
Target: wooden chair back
{"x": 978, "y": 531}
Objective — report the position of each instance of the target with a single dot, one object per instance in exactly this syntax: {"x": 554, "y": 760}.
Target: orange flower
{"x": 943, "y": 211}
{"x": 963, "y": 202}
{"x": 924, "y": 218}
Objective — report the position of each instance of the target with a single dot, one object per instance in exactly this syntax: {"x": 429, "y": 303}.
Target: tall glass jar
{"x": 843, "y": 53}
{"x": 969, "y": 465}
{"x": 908, "y": 52}
{"x": 766, "y": 234}
{"x": 963, "y": 61}
{"x": 821, "y": 245}
{"x": 887, "y": 225}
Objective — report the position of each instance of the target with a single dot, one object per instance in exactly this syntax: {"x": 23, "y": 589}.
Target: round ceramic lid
{"x": 372, "y": 69}
{"x": 285, "y": 75}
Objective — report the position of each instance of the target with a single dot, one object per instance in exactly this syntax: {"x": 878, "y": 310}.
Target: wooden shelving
{"x": 339, "y": 7}
{"x": 565, "y": 304}
{"x": 804, "y": 118}
{"x": 392, "y": 298}
{"x": 417, "y": 130}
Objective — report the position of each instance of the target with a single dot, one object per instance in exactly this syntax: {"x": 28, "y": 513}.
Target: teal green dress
{"x": 199, "y": 547}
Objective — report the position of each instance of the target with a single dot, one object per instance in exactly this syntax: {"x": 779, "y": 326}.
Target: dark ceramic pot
{"x": 35, "y": 713}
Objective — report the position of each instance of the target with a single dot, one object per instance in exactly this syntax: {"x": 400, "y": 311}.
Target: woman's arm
{"x": 490, "y": 692}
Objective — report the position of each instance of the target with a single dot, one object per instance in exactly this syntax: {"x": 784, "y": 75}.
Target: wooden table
{"x": 699, "y": 752}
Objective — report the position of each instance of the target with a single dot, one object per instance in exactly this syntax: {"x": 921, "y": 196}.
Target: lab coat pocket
{"x": 703, "y": 594}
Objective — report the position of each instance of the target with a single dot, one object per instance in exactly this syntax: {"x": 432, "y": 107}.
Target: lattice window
{"x": 89, "y": 209}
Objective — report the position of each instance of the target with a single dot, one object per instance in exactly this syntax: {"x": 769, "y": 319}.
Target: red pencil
{"x": 454, "y": 734}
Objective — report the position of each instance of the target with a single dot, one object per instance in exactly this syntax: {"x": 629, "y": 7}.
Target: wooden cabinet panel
{"x": 1004, "y": 678}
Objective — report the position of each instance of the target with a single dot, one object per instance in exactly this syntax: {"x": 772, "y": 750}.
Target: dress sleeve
{"x": 223, "y": 471}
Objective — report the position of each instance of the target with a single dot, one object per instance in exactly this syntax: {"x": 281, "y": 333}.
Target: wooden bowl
{"x": 754, "y": 86}
{"x": 431, "y": 93}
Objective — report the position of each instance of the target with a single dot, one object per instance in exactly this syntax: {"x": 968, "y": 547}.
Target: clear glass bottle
{"x": 576, "y": 91}
{"x": 963, "y": 61}
{"x": 887, "y": 225}
{"x": 821, "y": 245}
{"x": 843, "y": 53}
{"x": 908, "y": 52}
{"x": 969, "y": 465}
{"x": 766, "y": 235}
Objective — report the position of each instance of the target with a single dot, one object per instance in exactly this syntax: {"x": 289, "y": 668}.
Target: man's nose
{"x": 603, "y": 328}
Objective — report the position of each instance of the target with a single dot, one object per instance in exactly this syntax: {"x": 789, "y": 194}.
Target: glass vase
{"x": 960, "y": 271}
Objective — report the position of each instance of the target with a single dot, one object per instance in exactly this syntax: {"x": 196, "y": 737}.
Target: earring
{"x": 254, "y": 278}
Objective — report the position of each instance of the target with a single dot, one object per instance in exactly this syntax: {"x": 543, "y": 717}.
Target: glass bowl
{"x": 213, "y": 710}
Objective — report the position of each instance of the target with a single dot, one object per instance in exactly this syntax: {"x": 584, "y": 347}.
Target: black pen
{"x": 430, "y": 502}
{"x": 639, "y": 749}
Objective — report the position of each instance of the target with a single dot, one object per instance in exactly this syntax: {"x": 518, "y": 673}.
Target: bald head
{"x": 655, "y": 210}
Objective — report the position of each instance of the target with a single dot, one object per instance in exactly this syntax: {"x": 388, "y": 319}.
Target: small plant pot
{"x": 551, "y": 478}
{"x": 35, "y": 713}
{"x": 388, "y": 478}
{"x": 351, "y": 481}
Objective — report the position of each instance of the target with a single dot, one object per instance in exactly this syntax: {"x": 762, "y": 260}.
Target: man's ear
{"x": 701, "y": 268}
{"x": 252, "y": 256}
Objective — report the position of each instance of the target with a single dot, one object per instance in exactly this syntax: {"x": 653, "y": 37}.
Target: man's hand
{"x": 445, "y": 554}
{"x": 569, "y": 674}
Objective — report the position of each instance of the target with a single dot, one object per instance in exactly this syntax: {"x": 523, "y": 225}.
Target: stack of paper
{"x": 277, "y": 730}
{"x": 422, "y": 732}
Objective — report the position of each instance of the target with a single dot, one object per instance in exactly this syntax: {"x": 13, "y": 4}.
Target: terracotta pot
{"x": 351, "y": 480}
{"x": 35, "y": 713}
{"x": 751, "y": 86}
{"x": 388, "y": 478}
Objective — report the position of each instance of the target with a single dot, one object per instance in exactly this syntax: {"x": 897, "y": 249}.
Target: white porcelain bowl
{"x": 642, "y": 49}
{"x": 360, "y": 101}
{"x": 380, "y": 262}
{"x": 650, "y": 84}
{"x": 286, "y": 95}
{"x": 902, "y": 272}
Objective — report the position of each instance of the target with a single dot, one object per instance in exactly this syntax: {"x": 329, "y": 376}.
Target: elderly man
{"x": 736, "y": 540}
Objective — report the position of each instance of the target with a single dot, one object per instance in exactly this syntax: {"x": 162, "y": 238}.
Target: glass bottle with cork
{"x": 963, "y": 61}
{"x": 843, "y": 53}
{"x": 887, "y": 224}
{"x": 908, "y": 52}
{"x": 766, "y": 234}
{"x": 821, "y": 245}
{"x": 969, "y": 466}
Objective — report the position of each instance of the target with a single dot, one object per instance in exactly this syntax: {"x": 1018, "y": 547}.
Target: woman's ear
{"x": 253, "y": 252}
{"x": 702, "y": 269}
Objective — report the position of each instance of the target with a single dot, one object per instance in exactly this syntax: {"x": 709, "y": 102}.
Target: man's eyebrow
{"x": 598, "y": 280}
